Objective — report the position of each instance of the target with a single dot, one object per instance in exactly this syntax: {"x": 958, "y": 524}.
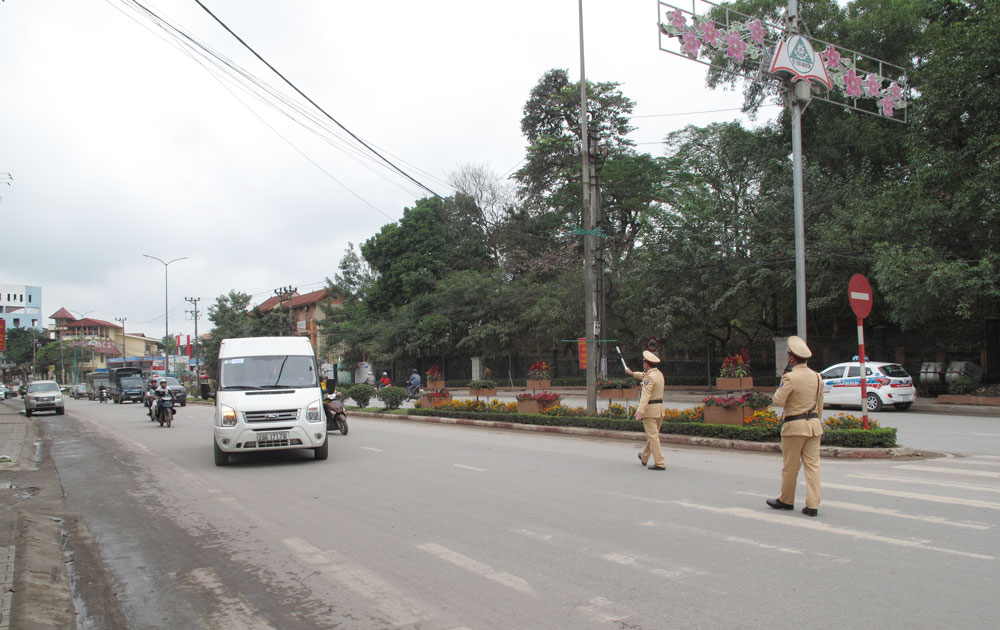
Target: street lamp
{"x": 166, "y": 306}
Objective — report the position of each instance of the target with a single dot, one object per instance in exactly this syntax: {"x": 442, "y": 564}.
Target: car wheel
{"x": 60, "y": 411}
{"x": 184, "y": 404}
{"x": 902, "y": 406}
{"x": 221, "y": 457}
{"x": 322, "y": 452}
{"x": 874, "y": 402}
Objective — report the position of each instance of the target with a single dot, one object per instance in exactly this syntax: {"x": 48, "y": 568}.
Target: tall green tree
{"x": 233, "y": 316}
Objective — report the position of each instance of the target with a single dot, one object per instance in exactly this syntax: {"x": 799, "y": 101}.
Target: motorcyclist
{"x": 160, "y": 393}
{"x": 384, "y": 381}
{"x": 414, "y": 382}
{"x": 102, "y": 393}
{"x": 150, "y": 396}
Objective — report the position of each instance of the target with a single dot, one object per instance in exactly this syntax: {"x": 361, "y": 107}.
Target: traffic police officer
{"x": 801, "y": 395}
{"x": 650, "y": 409}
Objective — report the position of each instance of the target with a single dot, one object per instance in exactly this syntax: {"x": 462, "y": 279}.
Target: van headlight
{"x": 228, "y": 415}
{"x": 312, "y": 413}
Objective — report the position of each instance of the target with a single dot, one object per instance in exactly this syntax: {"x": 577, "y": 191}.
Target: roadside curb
{"x": 665, "y": 438}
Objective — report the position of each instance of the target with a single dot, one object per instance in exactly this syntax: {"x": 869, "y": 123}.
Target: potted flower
{"x": 435, "y": 380}
{"x": 618, "y": 388}
{"x": 482, "y": 388}
{"x": 733, "y": 409}
{"x": 435, "y": 396}
{"x": 536, "y": 403}
{"x": 538, "y": 375}
{"x": 735, "y": 373}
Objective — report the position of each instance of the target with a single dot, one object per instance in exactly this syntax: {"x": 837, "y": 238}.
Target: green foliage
{"x": 482, "y": 384}
{"x": 391, "y": 397}
{"x": 234, "y": 317}
{"x": 963, "y": 385}
{"x": 617, "y": 383}
{"x": 362, "y": 393}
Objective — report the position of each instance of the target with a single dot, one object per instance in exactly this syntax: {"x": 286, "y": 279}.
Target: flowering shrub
{"x": 617, "y": 383}
{"x": 616, "y": 410}
{"x": 754, "y": 400}
{"x": 544, "y": 399}
{"x": 493, "y": 406}
{"x": 692, "y": 414}
{"x": 440, "y": 393}
{"x": 847, "y": 421}
{"x": 736, "y": 366}
{"x": 539, "y": 371}
{"x": 559, "y": 410}
{"x": 434, "y": 373}
{"x": 763, "y": 418}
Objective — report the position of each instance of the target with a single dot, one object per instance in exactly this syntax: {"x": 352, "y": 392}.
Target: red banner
{"x": 3, "y": 334}
{"x": 581, "y": 344}
{"x": 189, "y": 346}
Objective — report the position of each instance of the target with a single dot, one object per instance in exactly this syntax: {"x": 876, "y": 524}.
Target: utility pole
{"x": 591, "y": 321}
{"x": 284, "y": 294}
{"x": 122, "y": 320}
{"x": 197, "y": 344}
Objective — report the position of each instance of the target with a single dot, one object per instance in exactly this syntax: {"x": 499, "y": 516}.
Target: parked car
{"x": 78, "y": 391}
{"x": 9, "y": 391}
{"x": 887, "y": 383}
{"x": 43, "y": 396}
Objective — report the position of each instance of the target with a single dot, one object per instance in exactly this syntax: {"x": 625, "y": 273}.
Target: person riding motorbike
{"x": 160, "y": 393}
{"x": 384, "y": 381}
{"x": 150, "y": 397}
{"x": 414, "y": 383}
{"x": 102, "y": 393}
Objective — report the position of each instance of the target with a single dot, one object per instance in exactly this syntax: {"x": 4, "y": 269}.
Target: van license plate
{"x": 272, "y": 437}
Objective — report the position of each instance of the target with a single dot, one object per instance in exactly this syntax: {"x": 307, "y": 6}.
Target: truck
{"x": 94, "y": 381}
{"x": 268, "y": 398}
{"x": 115, "y": 376}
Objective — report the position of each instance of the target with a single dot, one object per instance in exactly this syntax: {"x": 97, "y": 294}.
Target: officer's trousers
{"x": 652, "y": 428}
{"x": 796, "y": 448}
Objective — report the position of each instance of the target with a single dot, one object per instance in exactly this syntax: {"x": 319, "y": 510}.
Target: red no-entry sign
{"x": 860, "y": 294}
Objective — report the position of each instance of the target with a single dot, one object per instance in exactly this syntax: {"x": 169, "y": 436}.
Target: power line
{"x": 313, "y": 103}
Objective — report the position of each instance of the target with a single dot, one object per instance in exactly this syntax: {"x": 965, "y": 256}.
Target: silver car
{"x": 43, "y": 396}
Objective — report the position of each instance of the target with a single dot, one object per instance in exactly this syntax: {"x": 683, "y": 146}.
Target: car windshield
{"x": 132, "y": 382}
{"x": 43, "y": 387}
{"x": 895, "y": 371}
{"x": 268, "y": 372}
{"x": 173, "y": 382}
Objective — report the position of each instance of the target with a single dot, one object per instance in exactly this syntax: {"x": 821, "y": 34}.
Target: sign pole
{"x": 864, "y": 377}
{"x": 859, "y": 293}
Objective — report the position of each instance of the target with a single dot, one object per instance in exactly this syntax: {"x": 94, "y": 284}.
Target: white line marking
{"x": 232, "y": 611}
{"x": 988, "y": 434}
{"x": 602, "y": 610}
{"x": 815, "y": 525}
{"x": 964, "y": 461}
{"x": 464, "y": 467}
{"x": 474, "y": 566}
{"x": 953, "y": 471}
{"x": 369, "y": 448}
{"x": 916, "y": 495}
{"x": 618, "y": 558}
{"x": 754, "y": 543}
{"x": 860, "y": 296}
{"x": 857, "y": 507}
{"x": 925, "y": 482}
{"x": 527, "y": 533}
{"x": 986, "y": 456}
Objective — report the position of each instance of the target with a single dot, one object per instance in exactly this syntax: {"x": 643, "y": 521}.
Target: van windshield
{"x": 267, "y": 372}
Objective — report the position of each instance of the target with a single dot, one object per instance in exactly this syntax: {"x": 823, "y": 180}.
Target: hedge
{"x": 855, "y": 438}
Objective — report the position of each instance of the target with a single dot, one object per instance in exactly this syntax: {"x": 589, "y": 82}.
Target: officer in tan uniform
{"x": 650, "y": 409}
{"x": 801, "y": 395}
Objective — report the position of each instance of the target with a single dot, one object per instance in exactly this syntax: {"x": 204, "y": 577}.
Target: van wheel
{"x": 221, "y": 457}
{"x": 60, "y": 411}
{"x": 322, "y": 452}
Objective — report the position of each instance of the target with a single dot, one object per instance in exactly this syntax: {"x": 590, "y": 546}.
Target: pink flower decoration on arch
{"x": 887, "y": 104}
{"x": 832, "y": 57}
{"x": 678, "y": 19}
{"x": 757, "y": 31}
{"x": 853, "y": 83}
{"x": 709, "y": 33}
{"x": 896, "y": 92}
{"x": 691, "y": 44}
{"x": 873, "y": 84}
{"x": 736, "y": 45}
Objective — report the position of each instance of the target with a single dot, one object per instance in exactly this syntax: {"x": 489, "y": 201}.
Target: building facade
{"x": 97, "y": 343}
{"x": 21, "y": 306}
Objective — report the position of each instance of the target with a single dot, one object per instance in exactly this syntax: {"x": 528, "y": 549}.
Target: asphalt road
{"x": 411, "y": 525}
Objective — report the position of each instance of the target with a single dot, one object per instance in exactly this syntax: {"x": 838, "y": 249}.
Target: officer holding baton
{"x": 650, "y": 409}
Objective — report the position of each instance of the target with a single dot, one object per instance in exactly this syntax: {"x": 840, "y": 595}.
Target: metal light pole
{"x": 591, "y": 321}
{"x": 166, "y": 307}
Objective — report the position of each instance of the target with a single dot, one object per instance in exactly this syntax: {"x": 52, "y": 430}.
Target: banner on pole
{"x": 581, "y": 345}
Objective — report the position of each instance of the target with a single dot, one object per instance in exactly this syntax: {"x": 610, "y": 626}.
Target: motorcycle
{"x": 414, "y": 393}
{"x": 102, "y": 395}
{"x": 336, "y": 417}
{"x": 165, "y": 410}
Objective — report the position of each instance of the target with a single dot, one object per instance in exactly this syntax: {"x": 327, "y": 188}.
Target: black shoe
{"x": 640, "y": 460}
{"x": 808, "y": 511}
{"x": 778, "y": 504}
{"x": 657, "y": 467}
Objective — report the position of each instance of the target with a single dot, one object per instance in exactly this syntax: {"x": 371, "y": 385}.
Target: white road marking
{"x": 618, "y": 558}
{"x": 390, "y": 602}
{"x": 813, "y": 524}
{"x": 988, "y": 434}
{"x": 858, "y": 507}
{"x": 964, "y": 460}
{"x": 986, "y": 456}
{"x": 474, "y": 566}
{"x": 954, "y": 471}
{"x": 527, "y": 533}
{"x": 233, "y": 611}
{"x": 754, "y": 543}
{"x": 369, "y": 448}
{"x": 916, "y": 495}
{"x": 926, "y": 482}
{"x": 464, "y": 467}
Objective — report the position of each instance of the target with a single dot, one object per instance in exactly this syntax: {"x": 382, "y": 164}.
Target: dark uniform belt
{"x": 801, "y": 416}
{"x": 655, "y": 402}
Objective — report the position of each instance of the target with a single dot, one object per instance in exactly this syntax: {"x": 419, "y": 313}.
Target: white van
{"x": 268, "y": 398}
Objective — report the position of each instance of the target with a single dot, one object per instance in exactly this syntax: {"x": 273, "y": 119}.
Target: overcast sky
{"x": 120, "y": 143}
